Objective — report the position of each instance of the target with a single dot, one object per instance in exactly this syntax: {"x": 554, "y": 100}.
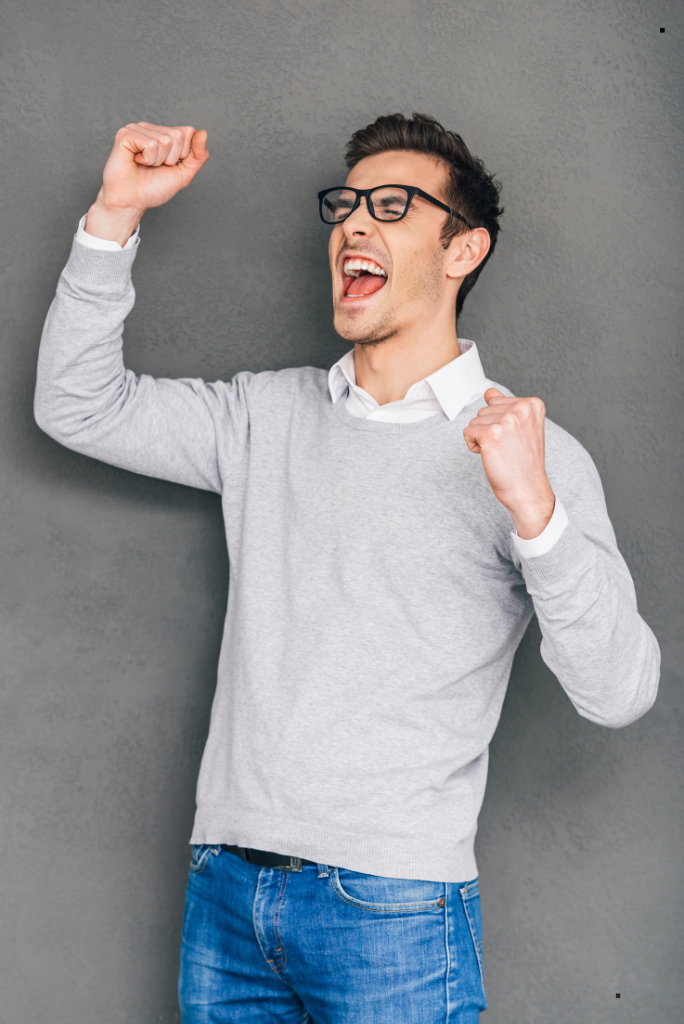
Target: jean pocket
{"x": 386, "y": 895}
{"x": 470, "y": 896}
{"x": 200, "y": 856}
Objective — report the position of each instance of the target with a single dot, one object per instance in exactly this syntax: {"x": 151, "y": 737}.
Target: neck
{"x": 387, "y": 370}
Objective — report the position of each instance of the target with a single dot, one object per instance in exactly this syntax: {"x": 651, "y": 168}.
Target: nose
{"x": 360, "y": 223}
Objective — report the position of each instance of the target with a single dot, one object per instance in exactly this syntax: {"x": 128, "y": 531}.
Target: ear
{"x": 465, "y": 252}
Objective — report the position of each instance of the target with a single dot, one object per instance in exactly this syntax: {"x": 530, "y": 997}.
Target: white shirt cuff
{"x": 104, "y": 244}
{"x": 548, "y": 538}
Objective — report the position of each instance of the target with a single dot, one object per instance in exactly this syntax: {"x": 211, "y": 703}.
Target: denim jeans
{"x": 326, "y": 946}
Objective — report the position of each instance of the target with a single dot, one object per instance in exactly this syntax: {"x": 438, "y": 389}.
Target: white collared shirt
{"x": 445, "y": 392}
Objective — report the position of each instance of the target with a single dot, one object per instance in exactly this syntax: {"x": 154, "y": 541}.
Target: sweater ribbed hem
{"x": 99, "y": 266}
{"x": 570, "y": 556}
{"x": 429, "y": 859}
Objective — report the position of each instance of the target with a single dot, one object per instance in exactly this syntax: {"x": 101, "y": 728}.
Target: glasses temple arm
{"x": 458, "y": 216}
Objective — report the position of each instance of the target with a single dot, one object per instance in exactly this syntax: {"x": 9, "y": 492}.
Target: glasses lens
{"x": 337, "y": 205}
{"x": 389, "y": 203}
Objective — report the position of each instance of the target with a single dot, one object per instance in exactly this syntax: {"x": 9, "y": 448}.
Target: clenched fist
{"x": 509, "y": 435}
{"x": 147, "y": 166}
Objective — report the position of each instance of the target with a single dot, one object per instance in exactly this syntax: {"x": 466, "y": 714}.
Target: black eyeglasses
{"x": 385, "y": 202}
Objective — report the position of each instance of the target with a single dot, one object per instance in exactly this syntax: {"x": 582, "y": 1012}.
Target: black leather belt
{"x": 267, "y": 860}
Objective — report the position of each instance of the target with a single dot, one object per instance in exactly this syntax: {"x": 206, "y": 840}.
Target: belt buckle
{"x": 294, "y": 865}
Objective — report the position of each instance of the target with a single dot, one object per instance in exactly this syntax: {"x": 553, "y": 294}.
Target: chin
{"x": 369, "y": 332}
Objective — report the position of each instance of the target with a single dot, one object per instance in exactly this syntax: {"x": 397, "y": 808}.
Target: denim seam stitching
{"x": 257, "y": 897}
{"x": 465, "y": 897}
{"x": 382, "y": 908}
{"x": 280, "y": 899}
{"x": 448, "y": 951}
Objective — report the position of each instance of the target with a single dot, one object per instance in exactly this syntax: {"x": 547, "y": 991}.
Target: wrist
{"x": 115, "y": 224}
{"x": 532, "y": 515}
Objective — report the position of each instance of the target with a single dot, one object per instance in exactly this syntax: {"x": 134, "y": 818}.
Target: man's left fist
{"x": 509, "y": 435}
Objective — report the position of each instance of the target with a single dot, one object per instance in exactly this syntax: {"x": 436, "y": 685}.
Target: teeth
{"x": 355, "y": 267}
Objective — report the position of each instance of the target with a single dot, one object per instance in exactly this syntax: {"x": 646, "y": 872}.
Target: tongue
{"x": 366, "y": 284}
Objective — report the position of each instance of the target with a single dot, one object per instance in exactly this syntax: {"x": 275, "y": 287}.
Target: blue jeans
{"x": 326, "y": 946}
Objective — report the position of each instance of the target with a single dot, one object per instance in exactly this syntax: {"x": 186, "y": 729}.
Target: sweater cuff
{"x": 97, "y": 266}
{"x": 572, "y": 555}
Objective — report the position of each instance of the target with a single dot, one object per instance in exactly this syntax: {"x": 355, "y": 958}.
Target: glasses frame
{"x": 361, "y": 193}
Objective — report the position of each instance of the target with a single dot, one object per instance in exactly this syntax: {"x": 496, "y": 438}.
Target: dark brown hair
{"x": 470, "y": 190}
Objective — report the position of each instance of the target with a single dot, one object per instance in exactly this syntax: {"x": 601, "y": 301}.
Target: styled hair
{"x": 470, "y": 190}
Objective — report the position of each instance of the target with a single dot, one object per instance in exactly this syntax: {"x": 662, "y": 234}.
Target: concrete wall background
{"x": 113, "y": 587}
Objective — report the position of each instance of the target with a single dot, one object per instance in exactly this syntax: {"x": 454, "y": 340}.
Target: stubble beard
{"x": 374, "y": 333}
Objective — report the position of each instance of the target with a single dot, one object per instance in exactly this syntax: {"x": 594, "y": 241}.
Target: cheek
{"x": 433, "y": 274}
{"x": 334, "y": 245}
{"x": 419, "y": 273}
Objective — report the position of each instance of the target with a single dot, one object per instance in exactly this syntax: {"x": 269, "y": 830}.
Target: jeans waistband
{"x": 265, "y": 859}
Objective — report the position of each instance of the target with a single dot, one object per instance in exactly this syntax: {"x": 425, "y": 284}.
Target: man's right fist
{"x": 147, "y": 166}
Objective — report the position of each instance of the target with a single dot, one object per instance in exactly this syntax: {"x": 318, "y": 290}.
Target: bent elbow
{"x": 42, "y": 416}
{"x": 46, "y": 419}
{"x": 626, "y": 716}
{"x": 55, "y": 420}
{"x": 629, "y": 703}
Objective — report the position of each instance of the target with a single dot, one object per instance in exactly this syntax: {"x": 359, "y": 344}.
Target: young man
{"x": 391, "y": 526}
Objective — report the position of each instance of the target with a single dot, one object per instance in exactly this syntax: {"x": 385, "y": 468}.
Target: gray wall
{"x": 113, "y": 587}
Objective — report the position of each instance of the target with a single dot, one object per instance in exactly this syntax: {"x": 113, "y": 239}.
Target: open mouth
{"x": 361, "y": 277}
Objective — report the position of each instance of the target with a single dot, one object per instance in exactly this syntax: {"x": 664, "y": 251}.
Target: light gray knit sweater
{"x": 376, "y": 596}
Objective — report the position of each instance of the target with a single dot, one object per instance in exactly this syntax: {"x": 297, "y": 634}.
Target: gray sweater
{"x": 376, "y": 596}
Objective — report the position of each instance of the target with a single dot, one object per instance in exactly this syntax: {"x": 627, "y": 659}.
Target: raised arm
{"x": 85, "y": 397}
{"x": 594, "y": 640}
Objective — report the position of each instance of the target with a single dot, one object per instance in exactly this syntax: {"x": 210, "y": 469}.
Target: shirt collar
{"x": 342, "y": 376}
{"x": 452, "y": 385}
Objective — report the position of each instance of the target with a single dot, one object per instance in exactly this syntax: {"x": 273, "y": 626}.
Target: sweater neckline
{"x": 439, "y": 419}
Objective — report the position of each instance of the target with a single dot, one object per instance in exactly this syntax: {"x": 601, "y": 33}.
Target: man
{"x": 391, "y": 526}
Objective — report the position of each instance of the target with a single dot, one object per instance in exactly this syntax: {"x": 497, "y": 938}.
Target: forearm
{"x": 594, "y": 639}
